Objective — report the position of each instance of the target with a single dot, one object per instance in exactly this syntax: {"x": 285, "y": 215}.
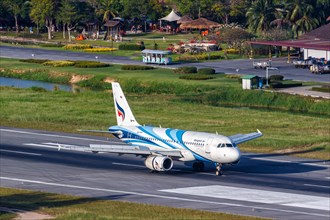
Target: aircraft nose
{"x": 236, "y": 155}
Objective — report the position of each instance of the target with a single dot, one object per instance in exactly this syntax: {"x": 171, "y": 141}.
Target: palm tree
{"x": 105, "y": 8}
{"x": 260, "y": 15}
{"x": 301, "y": 15}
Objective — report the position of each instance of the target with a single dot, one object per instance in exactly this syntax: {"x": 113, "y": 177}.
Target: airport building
{"x": 315, "y": 43}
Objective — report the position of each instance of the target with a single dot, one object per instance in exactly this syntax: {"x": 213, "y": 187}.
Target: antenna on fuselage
{"x": 216, "y": 132}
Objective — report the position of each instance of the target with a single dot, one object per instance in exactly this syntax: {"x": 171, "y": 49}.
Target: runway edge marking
{"x": 159, "y": 196}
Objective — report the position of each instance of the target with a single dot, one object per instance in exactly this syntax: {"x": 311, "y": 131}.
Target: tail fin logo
{"x": 120, "y": 112}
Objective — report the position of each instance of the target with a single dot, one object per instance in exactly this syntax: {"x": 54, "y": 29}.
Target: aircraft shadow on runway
{"x": 105, "y": 162}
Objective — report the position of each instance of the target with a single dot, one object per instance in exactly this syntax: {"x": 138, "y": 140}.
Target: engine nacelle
{"x": 159, "y": 163}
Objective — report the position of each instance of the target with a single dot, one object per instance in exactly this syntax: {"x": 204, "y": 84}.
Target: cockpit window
{"x": 220, "y": 145}
{"x": 229, "y": 145}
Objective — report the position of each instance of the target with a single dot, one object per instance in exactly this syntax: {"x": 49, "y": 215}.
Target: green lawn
{"x": 73, "y": 207}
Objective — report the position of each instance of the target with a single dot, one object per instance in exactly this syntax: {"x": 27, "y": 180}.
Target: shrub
{"x": 275, "y": 85}
{"x": 39, "y": 61}
{"x": 233, "y": 76}
{"x": 206, "y": 71}
{"x": 59, "y": 63}
{"x": 276, "y": 78}
{"x": 38, "y": 89}
{"x": 321, "y": 89}
{"x": 196, "y": 77}
{"x": 232, "y": 51}
{"x": 136, "y": 67}
{"x": 90, "y": 64}
{"x": 77, "y": 46}
{"x": 131, "y": 47}
{"x": 202, "y": 56}
{"x": 51, "y": 45}
{"x": 186, "y": 70}
{"x": 100, "y": 49}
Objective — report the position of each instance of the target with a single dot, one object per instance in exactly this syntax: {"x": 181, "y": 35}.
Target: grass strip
{"x": 284, "y": 132}
{"x": 74, "y": 207}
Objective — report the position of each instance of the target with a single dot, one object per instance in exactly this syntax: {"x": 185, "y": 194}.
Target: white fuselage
{"x": 200, "y": 146}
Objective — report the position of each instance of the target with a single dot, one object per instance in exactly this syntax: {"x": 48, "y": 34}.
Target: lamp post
{"x": 269, "y": 68}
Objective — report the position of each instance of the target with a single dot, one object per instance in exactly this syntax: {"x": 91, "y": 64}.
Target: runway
{"x": 281, "y": 187}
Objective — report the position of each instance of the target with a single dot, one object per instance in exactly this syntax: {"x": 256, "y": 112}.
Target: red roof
{"x": 303, "y": 43}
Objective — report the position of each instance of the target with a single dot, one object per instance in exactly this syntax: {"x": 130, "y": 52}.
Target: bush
{"x": 100, "y": 49}
{"x": 202, "y": 56}
{"x": 233, "y": 76}
{"x": 39, "y": 61}
{"x": 273, "y": 78}
{"x": 131, "y": 47}
{"x": 196, "y": 77}
{"x": 275, "y": 85}
{"x": 59, "y": 63}
{"x": 186, "y": 70}
{"x": 90, "y": 64}
{"x": 51, "y": 45}
{"x": 77, "y": 46}
{"x": 206, "y": 71}
{"x": 38, "y": 89}
{"x": 232, "y": 51}
{"x": 321, "y": 89}
{"x": 136, "y": 67}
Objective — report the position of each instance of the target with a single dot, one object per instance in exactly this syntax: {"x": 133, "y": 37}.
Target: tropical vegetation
{"x": 291, "y": 16}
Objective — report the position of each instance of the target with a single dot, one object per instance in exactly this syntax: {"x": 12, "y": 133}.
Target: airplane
{"x": 160, "y": 146}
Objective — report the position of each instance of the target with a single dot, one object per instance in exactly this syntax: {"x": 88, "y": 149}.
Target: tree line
{"x": 259, "y": 16}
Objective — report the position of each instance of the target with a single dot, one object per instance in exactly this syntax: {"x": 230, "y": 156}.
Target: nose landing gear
{"x": 218, "y": 171}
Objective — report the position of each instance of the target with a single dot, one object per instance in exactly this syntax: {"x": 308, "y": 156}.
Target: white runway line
{"x": 161, "y": 196}
{"x": 256, "y": 195}
{"x": 53, "y": 135}
{"x": 287, "y": 161}
{"x": 20, "y": 152}
{"x": 320, "y": 186}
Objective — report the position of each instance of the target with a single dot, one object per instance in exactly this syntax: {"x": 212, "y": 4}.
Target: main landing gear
{"x": 218, "y": 171}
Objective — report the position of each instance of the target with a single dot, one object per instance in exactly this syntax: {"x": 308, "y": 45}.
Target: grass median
{"x": 74, "y": 207}
{"x": 284, "y": 132}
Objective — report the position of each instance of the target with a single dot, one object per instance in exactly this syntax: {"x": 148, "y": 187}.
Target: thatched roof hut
{"x": 200, "y": 23}
{"x": 184, "y": 19}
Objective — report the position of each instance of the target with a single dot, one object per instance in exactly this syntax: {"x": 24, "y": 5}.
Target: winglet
{"x": 259, "y": 131}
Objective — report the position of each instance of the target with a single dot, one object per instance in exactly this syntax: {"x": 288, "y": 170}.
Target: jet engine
{"x": 159, "y": 163}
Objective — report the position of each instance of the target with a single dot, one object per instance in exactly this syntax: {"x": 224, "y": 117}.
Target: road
{"x": 241, "y": 66}
{"x": 274, "y": 186}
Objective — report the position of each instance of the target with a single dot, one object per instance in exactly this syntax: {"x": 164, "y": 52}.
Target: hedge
{"x": 276, "y": 78}
{"x": 90, "y": 64}
{"x": 186, "y": 70}
{"x": 196, "y": 77}
{"x": 77, "y": 46}
{"x": 136, "y": 67}
{"x": 131, "y": 47}
{"x": 206, "y": 71}
{"x": 59, "y": 63}
{"x": 39, "y": 61}
{"x": 277, "y": 84}
{"x": 100, "y": 49}
{"x": 321, "y": 89}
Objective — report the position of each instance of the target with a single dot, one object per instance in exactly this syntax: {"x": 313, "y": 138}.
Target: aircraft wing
{"x": 122, "y": 149}
{"x": 240, "y": 138}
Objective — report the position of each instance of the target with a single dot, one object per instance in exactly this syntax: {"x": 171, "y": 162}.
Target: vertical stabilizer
{"x": 124, "y": 114}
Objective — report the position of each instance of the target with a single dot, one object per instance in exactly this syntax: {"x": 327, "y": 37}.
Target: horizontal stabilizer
{"x": 240, "y": 138}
